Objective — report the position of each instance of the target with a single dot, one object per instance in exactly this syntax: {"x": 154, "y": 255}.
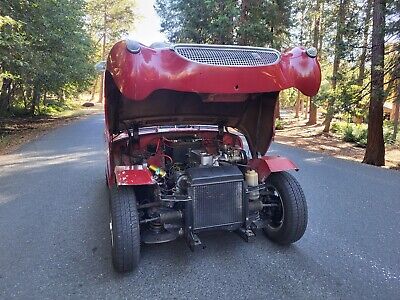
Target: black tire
{"x": 124, "y": 228}
{"x": 294, "y": 215}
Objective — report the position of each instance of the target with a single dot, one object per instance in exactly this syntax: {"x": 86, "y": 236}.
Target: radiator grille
{"x": 216, "y": 205}
{"x": 228, "y": 56}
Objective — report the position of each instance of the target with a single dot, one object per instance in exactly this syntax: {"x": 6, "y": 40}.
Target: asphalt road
{"x": 54, "y": 238}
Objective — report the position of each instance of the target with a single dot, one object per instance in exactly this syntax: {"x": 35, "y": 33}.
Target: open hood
{"x": 202, "y": 84}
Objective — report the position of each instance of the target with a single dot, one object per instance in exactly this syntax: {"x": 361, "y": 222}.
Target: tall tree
{"x": 198, "y": 21}
{"x": 11, "y": 38}
{"x": 263, "y": 22}
{"x": 54, "y": 53}
{"x": 245, "y": 22}
{"x": 375, "y": 151}
{"x": 340, "y": 28}
{"x": 316, "y": 38}
{"x": 363, "y": 56}
{"x": 300, "y": 14}
{"x": 108, "y": 22}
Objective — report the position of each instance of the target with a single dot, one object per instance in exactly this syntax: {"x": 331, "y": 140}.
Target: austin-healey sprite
{"x": 187, "y": 128}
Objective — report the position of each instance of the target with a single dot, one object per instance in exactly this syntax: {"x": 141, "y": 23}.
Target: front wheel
{"x": 124, "y": 229}
{"x": 286, "y": 213}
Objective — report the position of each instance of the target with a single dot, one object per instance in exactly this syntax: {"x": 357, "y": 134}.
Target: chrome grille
{"x": 216, "y": 205}
{"x": 228, "y": 55}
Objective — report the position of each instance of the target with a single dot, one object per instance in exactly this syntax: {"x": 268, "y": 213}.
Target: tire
{"x": 124, "y": 228}
{"x": 293, "y": 213}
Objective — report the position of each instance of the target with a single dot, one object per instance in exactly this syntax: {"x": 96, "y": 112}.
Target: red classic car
{"x": 187, "y": 128}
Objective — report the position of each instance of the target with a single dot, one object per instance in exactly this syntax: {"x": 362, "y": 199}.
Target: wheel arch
{"x": 266, "y": 165}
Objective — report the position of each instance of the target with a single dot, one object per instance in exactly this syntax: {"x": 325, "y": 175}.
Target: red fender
{"x": 266, "y": 165}
{"x": 131, "y": 175}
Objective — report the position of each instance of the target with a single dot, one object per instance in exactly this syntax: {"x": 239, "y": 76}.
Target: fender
{"x": 266, "y": 165}
{"x": 132, "y": 175}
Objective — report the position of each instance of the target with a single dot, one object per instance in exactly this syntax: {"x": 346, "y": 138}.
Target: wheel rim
{"x": 275, "y": 215}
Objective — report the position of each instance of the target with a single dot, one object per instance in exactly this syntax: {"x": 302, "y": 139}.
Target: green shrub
{"x": 336, "y": 127}
{"x": 360, "y": 135}
{"x": 339, "y": 127}
{"x": 388, "y": 135}
{"x": 347, "y": 133}
{"x": 357, "y": 133}
{"x": 354, "y": 134}
{"x": 279, "y": 124}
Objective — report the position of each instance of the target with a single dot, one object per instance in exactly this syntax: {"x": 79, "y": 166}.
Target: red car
{"x": 187, "y": 128}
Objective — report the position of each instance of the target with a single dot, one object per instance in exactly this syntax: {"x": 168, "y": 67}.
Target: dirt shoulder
{"x": 296, "y": 133}
{"x": 14, "y": 132}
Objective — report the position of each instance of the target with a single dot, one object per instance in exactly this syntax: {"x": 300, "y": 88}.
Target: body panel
{"x": 266, "y": 165}
{"x": 131, "y": 175}
{"x": 138, "y": 75}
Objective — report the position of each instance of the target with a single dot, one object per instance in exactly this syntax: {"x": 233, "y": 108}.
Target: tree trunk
{"x": 306, "y": 110}
{"x": 336, "y": 62}
{"x": 94, "y": 89}
{"x": 312, "y": 118}
{"x": 375, "y": 151}
{"x": 25, "y": 101}
{"x": 316, "y": 37}
{"x": 5, "y": 95}
{"x": 297, "y": 106}
{"x": 27, "y": 94}
{"x": 101, "y": 88}
{"x": 301, "y": 104}
{"x": 361, "y": 71}
{"x": 45, "y": 99}
{"x": 277, "y": 109}
{"x": 396, "y": 107}
{"x": 35, "y": 100}
{"x": 321, "y": 29}
{"x": 392, "y": 112}
{"x": 103, "y": 53}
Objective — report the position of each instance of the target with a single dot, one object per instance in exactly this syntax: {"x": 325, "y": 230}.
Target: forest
{"x": 48, "y": 49}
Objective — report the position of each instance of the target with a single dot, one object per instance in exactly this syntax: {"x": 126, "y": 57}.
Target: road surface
{"x": 54, "y": 238}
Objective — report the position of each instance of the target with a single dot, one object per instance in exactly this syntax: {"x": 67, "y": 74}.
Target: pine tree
{"x": 108, "y": 22}
{"x": 316, "y": 39}
{"x": 338, "y": 55}
{"x": 246, "y": 22}
{"x": 375, "y": 151}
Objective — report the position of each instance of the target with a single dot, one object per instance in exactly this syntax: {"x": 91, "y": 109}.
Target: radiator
{"x": 217, "y": 197}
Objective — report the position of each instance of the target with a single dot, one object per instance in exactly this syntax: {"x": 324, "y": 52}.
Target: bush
{"x": 279, "y": 124}
{"x": 339, "y": 127}
{"x": 352, "y": 133}
{"x": 336, "y": 127}
{"x": 360, "y": 135}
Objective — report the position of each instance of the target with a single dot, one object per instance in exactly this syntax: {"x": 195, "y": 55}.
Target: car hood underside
{"x": 251, "y": 114}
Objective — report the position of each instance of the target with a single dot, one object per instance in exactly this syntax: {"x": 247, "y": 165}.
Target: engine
{"x": 200, "y": 186}
{"x": 188, "y": 152}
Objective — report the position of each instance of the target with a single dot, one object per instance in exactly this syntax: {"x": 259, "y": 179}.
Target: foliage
{"x": 246, "y": 22}
{"x": 11, "y": 37}
{"x": 110, "y": 20}
{"x": 357, "y": 133}
{"x": 44, "y": 50}
{"x": 280, "y": 124}
{"x": 264, "y": 23}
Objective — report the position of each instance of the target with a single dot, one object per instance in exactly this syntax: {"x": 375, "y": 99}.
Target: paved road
{"x": 54, "y": 239}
